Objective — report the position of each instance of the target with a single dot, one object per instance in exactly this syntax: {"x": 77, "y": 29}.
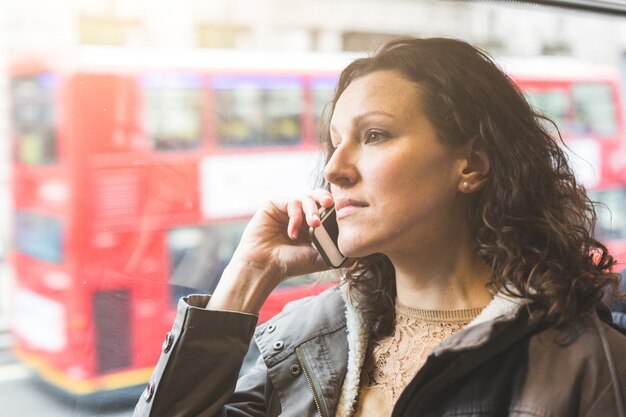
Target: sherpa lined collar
{"x": 358, "y": 340}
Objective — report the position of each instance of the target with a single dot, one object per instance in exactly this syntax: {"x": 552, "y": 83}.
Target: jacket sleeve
{"x": 199, "y": 365}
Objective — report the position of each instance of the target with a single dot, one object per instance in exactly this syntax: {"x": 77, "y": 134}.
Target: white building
{"x": 328, "y": 25}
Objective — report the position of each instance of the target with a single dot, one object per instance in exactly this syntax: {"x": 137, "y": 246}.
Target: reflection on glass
{"x": 611, "y": 210}
{"x": 173, "y": 111}
{"x": 199, "y": 254}
{"x": 594, "y": 109}
{"x": 258, "y": 110}
{"x": 34, "y": 119}
{"x": 39, "y": 236}
{"x": 322, "y": 90}
{"x": 552, "y": 103}
{"x": 577, "y": 109}
{"x": 98, "y": 315}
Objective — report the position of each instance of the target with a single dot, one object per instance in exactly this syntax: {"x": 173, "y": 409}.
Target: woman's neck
{"x": 442, "y": 277}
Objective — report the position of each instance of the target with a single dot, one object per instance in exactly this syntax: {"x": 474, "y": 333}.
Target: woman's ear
{"x": 474, "y": 166}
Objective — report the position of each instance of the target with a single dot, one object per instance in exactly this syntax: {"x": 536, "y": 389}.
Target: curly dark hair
{"x": 532, "y": 223}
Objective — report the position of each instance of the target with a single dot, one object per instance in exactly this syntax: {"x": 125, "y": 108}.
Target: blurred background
{"x": 137, "y": 137}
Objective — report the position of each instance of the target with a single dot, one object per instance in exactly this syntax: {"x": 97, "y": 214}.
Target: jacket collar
{"x": 357, "y": 349}
{"x": 501, "y": 307}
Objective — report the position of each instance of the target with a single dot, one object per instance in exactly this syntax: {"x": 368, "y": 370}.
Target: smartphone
{"x": 324, "y": 239}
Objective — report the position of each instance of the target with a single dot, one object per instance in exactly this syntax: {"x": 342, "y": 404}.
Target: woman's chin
{"x": 352, "y": 250}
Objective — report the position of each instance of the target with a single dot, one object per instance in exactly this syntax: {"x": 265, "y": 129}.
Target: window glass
{"x": 173, "y": 111}
{"x": 552, "y": 103}
{"x": 34, "y": 119}
{"x": 103, "y": 238}
{"x": 39, "y": 236}
{"x": 257, "y": 110}
{"x": 594, "y": 109}
{"x": 199, "y": 254}
{"x": 322, "y": 89}
{"x": 611, "y": 211}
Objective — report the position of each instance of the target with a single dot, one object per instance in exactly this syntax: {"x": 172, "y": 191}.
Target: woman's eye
{"x": 373, "y": 136}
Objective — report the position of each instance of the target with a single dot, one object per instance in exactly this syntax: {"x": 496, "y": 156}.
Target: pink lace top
{"x": 392, "y": 362}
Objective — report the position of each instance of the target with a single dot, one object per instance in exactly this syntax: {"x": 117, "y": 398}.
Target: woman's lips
{"x": 346, "y": 206}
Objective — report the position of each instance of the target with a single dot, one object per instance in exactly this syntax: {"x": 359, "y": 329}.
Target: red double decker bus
{"x": 136, "y": 170}
{"x": 584, "y": 100}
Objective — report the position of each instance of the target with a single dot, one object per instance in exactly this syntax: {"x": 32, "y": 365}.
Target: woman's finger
{"x": 323, "y": 197}
{"x": 294, "y": 210}
{"x": 306, "y": 209}
{"x": 311, "y": 205}
{"x": 311, "y": 211}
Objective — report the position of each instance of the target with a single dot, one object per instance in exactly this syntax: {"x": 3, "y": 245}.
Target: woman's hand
{"x": 274, "y": 246}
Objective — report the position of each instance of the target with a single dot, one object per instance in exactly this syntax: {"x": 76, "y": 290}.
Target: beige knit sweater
{"x": 392, "y": 362}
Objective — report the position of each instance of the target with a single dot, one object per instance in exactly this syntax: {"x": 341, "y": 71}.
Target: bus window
{"x": 594, "y": 109}
{"x": 258, "y": 110}
{"x": 552, "y": 103}
{"x": 199, "y": 254}
{"x": 34, "y": 119}
{"x": 322, "y": 91}
{"x": 173, "y": 111}
{"x": 611, "y": 211}
{"x": 39, "y": 236}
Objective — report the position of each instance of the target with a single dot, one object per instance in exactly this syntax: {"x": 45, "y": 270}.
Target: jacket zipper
{"x": 307, "y": 375}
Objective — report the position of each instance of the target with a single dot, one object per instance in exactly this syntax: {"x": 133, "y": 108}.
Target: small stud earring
{"x": 465, "y": 186}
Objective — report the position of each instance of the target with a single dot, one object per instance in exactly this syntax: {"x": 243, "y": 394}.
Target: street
{"x": 22, "y": 394}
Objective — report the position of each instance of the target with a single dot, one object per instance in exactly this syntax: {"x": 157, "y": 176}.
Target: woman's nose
{"x": 341, "y": 168}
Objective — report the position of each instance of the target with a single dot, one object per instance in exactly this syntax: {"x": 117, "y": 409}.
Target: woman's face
{"x": 396, "y": 187}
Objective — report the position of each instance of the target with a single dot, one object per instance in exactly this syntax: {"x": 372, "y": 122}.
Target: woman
{"x": 477, "y": 287}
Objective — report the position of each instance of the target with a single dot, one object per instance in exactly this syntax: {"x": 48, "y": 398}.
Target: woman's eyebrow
{"x": 357, "y": 120}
